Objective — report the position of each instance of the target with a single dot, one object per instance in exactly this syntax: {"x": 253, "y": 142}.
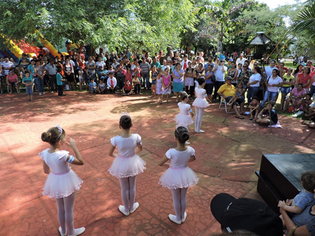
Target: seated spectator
{"x": 111, "y": 83}
{"x": 306, "y": 102}
{"x": 101, "y": 87}
{"x": 267, "y": 116}
{"x": 127, "y": 90}
{"x": 245, "y": 214}
{"x": 305, "y": 78}
{"x": 254, "y": 107}
{"x": 295, "y": 98}
{"x": 92, "y": 86}
{"x": 136, "y": 84}
{"x": 228, "y": 92}
{"x": 288, "y": 81}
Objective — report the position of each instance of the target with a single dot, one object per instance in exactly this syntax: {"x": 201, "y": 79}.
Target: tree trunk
{"x": 90, "y": 50}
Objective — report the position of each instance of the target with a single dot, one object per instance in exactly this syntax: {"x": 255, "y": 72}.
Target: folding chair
{"x": 226, "y": 106}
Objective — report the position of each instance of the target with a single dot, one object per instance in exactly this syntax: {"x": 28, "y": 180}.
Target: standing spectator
{"x": 100, "y": 64}
{"x": 185, "y": 62}
{"x": 253, "y": 84}
{"x": 219, "y": 70}
{"x": 145, "y": 71}
{"x": 210, "y": 58}
{"x": 270, "y": 68}
{"x": 1, "y": 77}
{"x": 178, "y": 80}
{"x": 28, "y": 82}
{"x": 210, "y": 77}
{"x": 120, "y": 74}
{"x": 305, "y": 78}
{"x": 51, "y": 70}
{"x": 60, "y": 81}
{"x": 274, "y": 82}
{"x": 69, "y": 73}
{"x": 233, "y": 72}
{"x": 241, "y": 60}
{"x": 7, "y": 65}
{"x": 40, "y": 73}
{"x": 189, "y": 81}
{"x": 91, "y": 66}
{"x": 156, "y": 63}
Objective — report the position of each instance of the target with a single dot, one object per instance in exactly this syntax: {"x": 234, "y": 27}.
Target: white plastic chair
{"x": 226, "y": 106}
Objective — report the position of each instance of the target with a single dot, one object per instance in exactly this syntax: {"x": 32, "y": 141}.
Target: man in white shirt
{"x": 219, "y": 70}
{"x": 270, "y": 68}
{"x": 7, "y": 65}
{"x": 241, "y": 60}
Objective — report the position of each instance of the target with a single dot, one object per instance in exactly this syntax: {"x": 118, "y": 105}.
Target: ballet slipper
{"x": 61, "y": 234}
{"x": 78, "y": 231}
{"x": 121, "y": 208}
{"x": 185, "y": 216}
{"x": 135, "y": 207}
{"x": 200, "y": 131}
{"x": 173, "y": 218}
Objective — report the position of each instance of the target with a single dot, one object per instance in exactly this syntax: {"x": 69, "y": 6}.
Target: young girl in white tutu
{"x": 200, "y": 103}
{"x": 178, "y": 177}
{"x": 184, "y": 118}
{"x": 127, "y": 164}
{"x": 62, "y": 182}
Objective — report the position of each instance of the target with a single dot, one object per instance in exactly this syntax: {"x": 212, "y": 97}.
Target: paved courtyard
{"x": 227, "y": 157}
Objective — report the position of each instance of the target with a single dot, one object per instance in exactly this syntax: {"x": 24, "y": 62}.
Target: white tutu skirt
{"x": 178, "y": 178}
{"x": 60, "y": 186}
{"x": 201, "y": 103}
{"x": 123, "y": 167}
{"x": 183, "y": 120}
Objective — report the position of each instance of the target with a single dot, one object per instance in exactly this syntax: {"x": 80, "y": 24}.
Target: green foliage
{"x": 120, "y": 23}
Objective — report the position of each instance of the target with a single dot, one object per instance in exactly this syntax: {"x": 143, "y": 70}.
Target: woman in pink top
{"x": 12, "y": 80}
{"x": 296, "y": 96}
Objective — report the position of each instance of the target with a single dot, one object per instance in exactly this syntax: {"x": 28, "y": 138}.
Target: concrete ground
{"x": 227, "y": 157}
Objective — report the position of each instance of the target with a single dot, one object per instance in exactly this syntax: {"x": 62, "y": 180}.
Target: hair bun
{"x": 46, "y": 136}
{"x": 184, "y": 136}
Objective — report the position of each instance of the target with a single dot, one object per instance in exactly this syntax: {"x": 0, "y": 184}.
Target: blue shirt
{"x": 209, "y": 81}
{"x": 303, "y": 198}
{"x": 28, "y": 80}
{"x": 304, "y": 217}
{"x": 59, "y": 79}
{"x": 207, "y": 65}
{"x": 92, "y": 85}
{"x": 31, "y": 69}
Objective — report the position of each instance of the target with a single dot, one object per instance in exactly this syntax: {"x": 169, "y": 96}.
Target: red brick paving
{"x": 227, "y": 157}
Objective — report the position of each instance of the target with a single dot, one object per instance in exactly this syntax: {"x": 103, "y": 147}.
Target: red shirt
{"x": 304, "y": 79}
{"x": 284, "y": 68}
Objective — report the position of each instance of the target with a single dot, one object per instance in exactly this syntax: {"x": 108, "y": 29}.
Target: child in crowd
{"x": 154, "y": 75}
{"x": 267, "y": 116}
{"x": 128, "y": 75}
{"x": 254, "y": 107}
{"x": 101, "y": 87}
{"x": 301, "y": 200}
{"x": 178, "y": 177}
{"x": 92, "y": 86}
{"x": 103, "y": 74}
{"x": 184, "y": 118}
{"x": 200, "y": 103}
{"x": 62, "y": 181}
{"x": 166, "y": 84}
{"x": 81, "y": 77}
{"x": 127, "y": 89}
{"x": 127, "y": 164}
{"x": 288, "y": 81}
{"x": 136, "y": 84}
{"x": 28, "y": 82}
{"x": 158, "y": 87}
{"x": 306, "y": 102}
{"x": 111, "y": 83}
{"x": 1, "y": 77}
{"x": 60, "y": 81}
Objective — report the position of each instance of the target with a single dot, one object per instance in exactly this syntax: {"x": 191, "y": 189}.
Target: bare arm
{"x": 78, "y": 160}
{"x": 111, "y": 151}
{"x": 139, "y": 148}
{"x": 292, "y": 208}
{"x": 192, "y": 158}
{"x": 163, "y": 160}
{"x": 300, "y": 231}
{"x": 46, "y": 168}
